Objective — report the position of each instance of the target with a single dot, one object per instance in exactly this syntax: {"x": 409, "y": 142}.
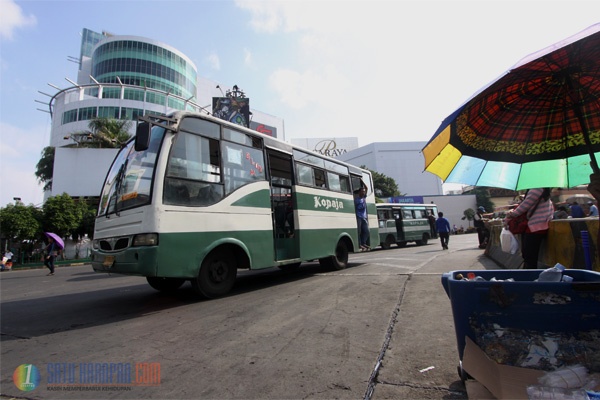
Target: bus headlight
{"x": 95, "y": 244}
{"x": 146, "y": 239}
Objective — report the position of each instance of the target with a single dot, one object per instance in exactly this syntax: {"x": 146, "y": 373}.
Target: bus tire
{"x": 387, "y": 243}
{"x": 423, "y": 241}
{"x": 165, "y": 284}
{"x": 339, "y": 260}
{"x": 217, "y": 274}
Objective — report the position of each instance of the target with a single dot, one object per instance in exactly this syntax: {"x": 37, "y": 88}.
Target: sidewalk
{"x": 421, "y": 359}
{"x": 39, "y": 265}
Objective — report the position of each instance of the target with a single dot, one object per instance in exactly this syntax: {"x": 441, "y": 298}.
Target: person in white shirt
{"x": 593, "y": 209}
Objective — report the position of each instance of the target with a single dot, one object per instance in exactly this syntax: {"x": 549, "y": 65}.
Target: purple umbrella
{"x": 57, "y": 239}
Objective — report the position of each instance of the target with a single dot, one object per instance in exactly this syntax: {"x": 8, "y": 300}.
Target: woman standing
{"x": 539, "y": 209}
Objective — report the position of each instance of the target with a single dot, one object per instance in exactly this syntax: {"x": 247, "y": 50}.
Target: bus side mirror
{"x": 142, "y": 136}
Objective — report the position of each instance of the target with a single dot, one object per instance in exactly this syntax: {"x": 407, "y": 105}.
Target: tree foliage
{"x": 45, "y": 167}
{"x": 103, "y": 133}
{"x": 88, "y": 213}
{"x": 483, "y": 198}
{"x": 384, "y": 185}
{"x": 61, "y": 215}
{"x": 468, "y": 214}
{"x": 20, "y": 222}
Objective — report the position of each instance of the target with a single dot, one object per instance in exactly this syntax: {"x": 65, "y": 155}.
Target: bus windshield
{"x": 129, "y": 181}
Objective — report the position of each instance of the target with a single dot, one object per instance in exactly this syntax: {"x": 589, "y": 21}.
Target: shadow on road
{"x": 28, "y": 318}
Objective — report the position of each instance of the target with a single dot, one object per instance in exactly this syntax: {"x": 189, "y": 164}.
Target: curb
{"x": 42, "y": 266}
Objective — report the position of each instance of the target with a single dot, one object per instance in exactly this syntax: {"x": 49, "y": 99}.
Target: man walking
{"x": 443, "y": 229}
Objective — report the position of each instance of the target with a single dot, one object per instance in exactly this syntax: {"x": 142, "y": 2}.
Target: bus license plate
{"x": 108, "y": 261}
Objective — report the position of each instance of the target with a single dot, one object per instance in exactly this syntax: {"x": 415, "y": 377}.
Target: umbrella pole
{"x": 584, "y": 129}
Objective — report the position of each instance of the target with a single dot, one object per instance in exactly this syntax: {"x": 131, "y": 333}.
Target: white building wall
{"x": 402, "y": 161}
{"x": 453, "y": 207}
{"x": 81, "y": 171}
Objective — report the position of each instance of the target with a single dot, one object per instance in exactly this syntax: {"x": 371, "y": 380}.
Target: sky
{"x": 382, "y": 71}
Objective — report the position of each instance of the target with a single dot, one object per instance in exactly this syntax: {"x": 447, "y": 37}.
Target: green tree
{"x": 61, "y": 215}
{"x": 45, "y": 168}
{"x": 483, "y": 198}
{"x": 468, "y": 214}
{"x": 20, "y": 222}
{"x": 103, "y": 133}
{"x": 384, "y": 186}
{"x": 88, "y": 212}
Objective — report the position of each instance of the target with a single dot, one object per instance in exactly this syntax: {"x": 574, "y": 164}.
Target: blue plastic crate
{"x": 524, "y": 323}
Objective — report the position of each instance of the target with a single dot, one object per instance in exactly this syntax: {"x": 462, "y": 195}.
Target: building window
{"x": 176, "y": 103}
{"x": 108, "y": 112}
{"x": 155, "y": 98}
{"x": 69, "y": 116}
{"x": 131, "y": 113}
{"x": 134, "y": 94}
{"x": 87, "y": 113}
{"x": 111, "y": 93}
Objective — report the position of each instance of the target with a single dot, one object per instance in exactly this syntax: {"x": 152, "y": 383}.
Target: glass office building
{"x": 123, "y": 77}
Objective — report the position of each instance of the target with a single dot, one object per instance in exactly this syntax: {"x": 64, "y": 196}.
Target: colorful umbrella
{"x": 57, "y": 239}
{"x": 538, "y": 125}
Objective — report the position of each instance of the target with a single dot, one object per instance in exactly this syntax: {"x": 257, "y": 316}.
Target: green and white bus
{"x": 195, "y": 198}
{"x": 401, "y": 223}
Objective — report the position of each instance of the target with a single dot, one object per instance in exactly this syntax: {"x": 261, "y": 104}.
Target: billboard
{"x": 263, "y": 128}
{"x": 232, "y": 109}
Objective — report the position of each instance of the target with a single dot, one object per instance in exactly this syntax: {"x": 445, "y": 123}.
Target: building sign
{"x": 232, "y": 109}
{"x": 264, "y": 129}
{"x": 405, "y": 199}
{"x": 328, "y": 148}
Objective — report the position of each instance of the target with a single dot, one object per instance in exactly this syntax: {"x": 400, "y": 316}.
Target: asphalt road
{"x": 380, "y": 329}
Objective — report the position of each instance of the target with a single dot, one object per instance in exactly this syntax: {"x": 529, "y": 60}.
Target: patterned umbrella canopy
{"x": 538, "y": 125}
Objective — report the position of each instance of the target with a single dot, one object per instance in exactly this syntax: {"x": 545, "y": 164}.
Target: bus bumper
{"x": 140, "y": 261}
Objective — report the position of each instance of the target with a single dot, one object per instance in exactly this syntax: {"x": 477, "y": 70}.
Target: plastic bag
{"x": 508, "y": 242}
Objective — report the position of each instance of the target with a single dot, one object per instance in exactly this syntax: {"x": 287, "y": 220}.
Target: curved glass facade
{"x": 145, "y": 65}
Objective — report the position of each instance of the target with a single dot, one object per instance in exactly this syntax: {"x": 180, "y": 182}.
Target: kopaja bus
{"x": 195, "y": 198}
{"x": 402, "y": 223}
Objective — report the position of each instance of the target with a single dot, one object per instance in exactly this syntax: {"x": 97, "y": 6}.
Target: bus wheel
{"x": 290, "y": 267}
{"x": 337, "y": 261}
{"x": 423, "y": 241}
{"x": 217, "y": 275}
{"x": 165, "y": 284}
{"x": 389, "y": 240}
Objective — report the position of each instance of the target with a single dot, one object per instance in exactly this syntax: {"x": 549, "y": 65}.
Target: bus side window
{"x": 320, "y": 178}
{"x": 176, "y": 193}
{"x": 305, "y": 174}
{"x": 407, "y": 214}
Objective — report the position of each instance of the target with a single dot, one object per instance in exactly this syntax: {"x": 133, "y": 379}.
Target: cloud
{"x": 12, "y": 18}
{"x": 19, "y": 155}
{"x": 265, "y": 16}
{"x": 214, "y": 61}
{"x": 300, "y": 89}
{"x": 248, "y": 61}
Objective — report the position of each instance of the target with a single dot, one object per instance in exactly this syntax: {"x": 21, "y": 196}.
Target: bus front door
{"x": 283, "y": 206}
{"x": 400, "y": 237}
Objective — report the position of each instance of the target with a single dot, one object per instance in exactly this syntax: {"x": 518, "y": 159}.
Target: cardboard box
{"x": 503, "y": 381}
{"x": 476, "y": 391}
